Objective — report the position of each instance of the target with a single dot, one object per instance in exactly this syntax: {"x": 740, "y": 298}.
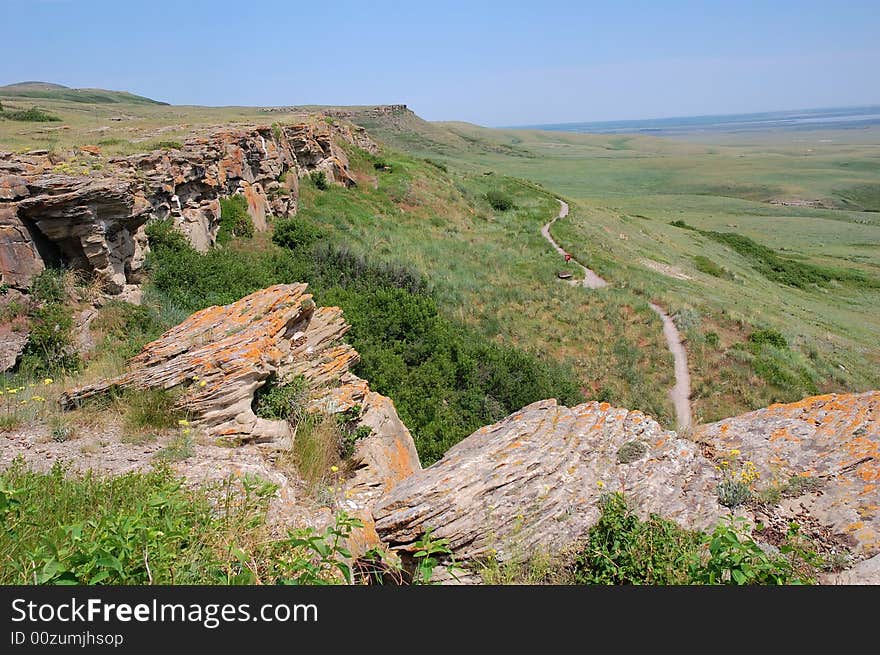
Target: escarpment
{"x": 54, "y": 212}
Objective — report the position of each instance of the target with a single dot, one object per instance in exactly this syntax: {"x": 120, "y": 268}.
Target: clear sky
{"x": 492, "y": 63}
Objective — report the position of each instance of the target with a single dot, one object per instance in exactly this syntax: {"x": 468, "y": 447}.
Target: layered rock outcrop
{"x": 823, "y": 455}
{"x": 532, "y": 483}
{"x": 92, "y": 218}
{"x": 220, "y": 356}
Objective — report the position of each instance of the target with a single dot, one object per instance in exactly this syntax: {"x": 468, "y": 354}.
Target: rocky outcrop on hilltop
{"x": 220, "y": 356}
{"x": 532, "y": 483}
{"x": 823, "y": 456}
{"x": 92, "y": 218}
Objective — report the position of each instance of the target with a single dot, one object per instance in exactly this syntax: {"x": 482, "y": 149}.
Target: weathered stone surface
{"x": 834, "y": 440}
{"x": 220, "y": 356}
{"x": 866, "y": 572}
{"x": 93, "y": 220}
{"x": 532, "y": 483}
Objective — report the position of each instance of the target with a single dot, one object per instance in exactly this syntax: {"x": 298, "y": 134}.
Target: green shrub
{"x": 164, "y": 235}
{"x": 621, "y": 549}
{"x": 734, "y": 558}
{"x": 48, "y": 286}
{"x": 446, "y": 380}
{"x": 499, "y": 201}
{"x": 706, "y": 265}
{"x": 32, "y": 115}
{"x": 768, "y": 336}
{"x": 319, "y": 179}
{"x": 789, "y": 271}
{"x": 147, "y": 528}
{"x": 295, "y": 233}
{"x": 281, "y": 402}
{"x": 166, "y": 145}
{"x": 436, "y": 164}
{"x": 712, "y": 339}
{"x": 50, "y": 346}
{"x": 235, "y": 222}
{"x": 680, "y": 223}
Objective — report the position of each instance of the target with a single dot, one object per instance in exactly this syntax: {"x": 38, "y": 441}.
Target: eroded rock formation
{"x": 532, "y": 483}
{"x": 92, "y": 218}
{"x": 822, "y": 453}
{"x": 218, "y": 358}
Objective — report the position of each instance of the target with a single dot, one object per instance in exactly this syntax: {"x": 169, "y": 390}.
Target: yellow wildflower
{"x": 183, "y": 422}
{"x": 600, "y": 484}
{"x": 186, "y": 432}
{"x": 334, "y": 468}
{"x": 202, "y": 383}
{"x": 735, "y": 452}
{"x": 48, "y": 381}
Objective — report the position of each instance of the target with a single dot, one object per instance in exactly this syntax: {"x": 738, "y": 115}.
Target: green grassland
{"x": 626, "y": 190}
{"x": 491, "y": 270}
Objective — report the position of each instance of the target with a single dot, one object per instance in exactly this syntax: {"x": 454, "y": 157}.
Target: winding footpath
{"x": 681, "y": 392}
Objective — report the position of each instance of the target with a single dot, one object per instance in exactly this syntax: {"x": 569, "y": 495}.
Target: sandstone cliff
{"x": 91, "y": 218}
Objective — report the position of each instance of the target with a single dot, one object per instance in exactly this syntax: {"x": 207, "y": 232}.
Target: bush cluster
{"x": 446, "y": 380}
{"x": 50, "y": 347}
{"x": 147, "y": 528}
{"x": 235, "y": 222}
{"x": 621, "y": 549}
{"x": 294, "y": 233}
{"x": 499, "y": 201}
{"x": 32, "y": 115}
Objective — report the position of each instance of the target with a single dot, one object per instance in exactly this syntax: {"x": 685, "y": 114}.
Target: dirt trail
{"x": 591, "y": 280}
{"x": 681, "y": 392}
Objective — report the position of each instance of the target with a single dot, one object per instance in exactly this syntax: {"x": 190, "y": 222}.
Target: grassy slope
{"x": 492, "y": 270}
{"x": 625, "y": 190}
{"x": 45, "y": 91}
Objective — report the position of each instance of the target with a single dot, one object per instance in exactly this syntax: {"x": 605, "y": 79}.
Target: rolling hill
{"x": 50, "y": 91}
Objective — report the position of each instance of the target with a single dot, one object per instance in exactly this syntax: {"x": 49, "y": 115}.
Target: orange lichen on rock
{"x": 220, "y": 356}
{"x": 834, "y": 438}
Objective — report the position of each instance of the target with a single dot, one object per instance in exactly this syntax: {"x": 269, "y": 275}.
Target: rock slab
{"x": 532, "y": 483}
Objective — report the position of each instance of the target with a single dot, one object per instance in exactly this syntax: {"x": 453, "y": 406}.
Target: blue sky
{"x": 493, "y": 63}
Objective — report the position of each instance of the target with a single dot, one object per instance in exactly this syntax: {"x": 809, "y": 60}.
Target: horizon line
{"x": 669, "y": 118}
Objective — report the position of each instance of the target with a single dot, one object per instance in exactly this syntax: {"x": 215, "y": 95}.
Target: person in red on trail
{"x": 567, "y": 258}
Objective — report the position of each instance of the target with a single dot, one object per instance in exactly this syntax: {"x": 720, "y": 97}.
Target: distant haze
{"x": 493, "y": 63}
